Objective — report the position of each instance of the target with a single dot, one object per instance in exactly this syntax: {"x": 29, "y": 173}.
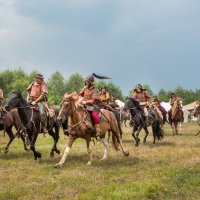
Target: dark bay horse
{"x": 30, "y": 119}
{"x": 9, "y": 120}
{"x": 176, "y": 115}
{"x": 81, "y": 126}
{"x": 138, "y": 121}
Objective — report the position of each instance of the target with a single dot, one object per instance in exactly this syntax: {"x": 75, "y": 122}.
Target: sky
{"x": 132, "y": 41}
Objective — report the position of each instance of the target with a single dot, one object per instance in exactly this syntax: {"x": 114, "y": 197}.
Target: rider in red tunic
{"x": 91, "y": 99}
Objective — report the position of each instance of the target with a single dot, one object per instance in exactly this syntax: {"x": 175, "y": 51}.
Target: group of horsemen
{"x": 93, "y": 100}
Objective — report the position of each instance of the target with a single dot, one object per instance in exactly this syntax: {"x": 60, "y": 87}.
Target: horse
{"x": 197, "y": 113}
{"x": 176, "y": 115}
{"x": 30, "y": 119}
{"x": 124, "y": 116}
{"x": 138, "y": 121}
{"x": 81, "y": 126}
{"x": 9, "y": 120}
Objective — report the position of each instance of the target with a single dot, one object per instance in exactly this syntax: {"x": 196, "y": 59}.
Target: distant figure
{"x": 172, "y": 100}
{"x": 156, "y": 102}
{"x": 104, "y": 96}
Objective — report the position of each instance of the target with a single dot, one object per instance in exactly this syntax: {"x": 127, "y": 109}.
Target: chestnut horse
{"x": 9, "y": 120}
{"x": 176, "y": 116}
{"x": 81, "y": 126}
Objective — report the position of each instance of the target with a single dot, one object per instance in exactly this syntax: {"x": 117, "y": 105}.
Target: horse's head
{"x": 14, "y": 100}
{"x": 68, "y": 105}
{"x": 178, "y": 103}
{"x": 128, "y": 104}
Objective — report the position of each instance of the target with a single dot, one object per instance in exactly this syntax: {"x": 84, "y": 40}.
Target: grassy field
{"x": 168, "y": 170}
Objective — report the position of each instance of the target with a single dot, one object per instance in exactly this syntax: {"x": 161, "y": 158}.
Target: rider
{"x": 172, "y": 99}
{"x": 91, "y": 99}
{"x": 2, "y": 109}
{"x": 156, "y": 102}
{"x": 37, "y": 94}
{"x": 104, "y": 96}
{"x": 143, "y": 97}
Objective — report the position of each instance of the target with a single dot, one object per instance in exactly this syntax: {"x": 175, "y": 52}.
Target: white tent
{"x": 166, "y": 105}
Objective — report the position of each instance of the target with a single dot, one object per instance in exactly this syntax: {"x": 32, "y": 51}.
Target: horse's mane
{"x": 136, "y": 103}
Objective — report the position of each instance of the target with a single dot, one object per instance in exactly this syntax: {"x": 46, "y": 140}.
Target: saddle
{"x": 49, "y": 111}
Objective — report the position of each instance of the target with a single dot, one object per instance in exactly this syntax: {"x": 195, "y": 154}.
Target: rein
{"x": 31, "y": 119}
{"x": 80, "y": 122}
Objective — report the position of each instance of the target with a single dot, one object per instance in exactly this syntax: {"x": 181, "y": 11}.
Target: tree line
{"x": 18, "y": 80}
{"x": 58, "y": 85}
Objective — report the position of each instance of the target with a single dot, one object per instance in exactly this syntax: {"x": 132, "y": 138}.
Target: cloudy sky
{"x": 133, "y": 41}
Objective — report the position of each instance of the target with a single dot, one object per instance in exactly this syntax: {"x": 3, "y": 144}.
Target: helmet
{"x": 90, "y": 79}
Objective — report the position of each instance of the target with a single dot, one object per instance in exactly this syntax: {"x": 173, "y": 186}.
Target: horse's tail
{"x": 159, "y": 131}
{"x": 115, "y": 142}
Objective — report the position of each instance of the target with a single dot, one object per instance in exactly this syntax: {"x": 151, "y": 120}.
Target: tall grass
{"x": 170, "y": 169}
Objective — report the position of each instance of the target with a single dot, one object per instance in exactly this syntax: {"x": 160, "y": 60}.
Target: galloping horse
{"x": 138, "y": 121}
{"x": 81, "y": 126}
{"x": 175, "y": 115}
{"x": 9, "y": 120}
{"x": 30, "y": 119}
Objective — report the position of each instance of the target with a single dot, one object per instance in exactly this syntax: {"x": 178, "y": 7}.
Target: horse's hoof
{"x": 103, "y": 159}
{"x": 89, "y": 163}
{"x": 58, "y": 165}
{"x": 126, "y": 153}
{"x": 57, "y": 151}
{"x": 52, "y": 155}
{"x": 6, "y": 151}
{"x": 39, "y": 155}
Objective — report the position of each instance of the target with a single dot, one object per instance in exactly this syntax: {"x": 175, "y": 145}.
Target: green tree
{"x": 20, "y": 82}
{"x": 56, "y": 88}
{"x": 74, "y": 83}
{"x": 6, "y": 80}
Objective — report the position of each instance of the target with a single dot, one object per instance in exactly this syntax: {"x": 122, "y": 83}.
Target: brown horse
{"x": 81, "y": 126}
{"x": 176, "y": 115}
{"x": 9, "y": 120}
{"x": 124, "y": 116}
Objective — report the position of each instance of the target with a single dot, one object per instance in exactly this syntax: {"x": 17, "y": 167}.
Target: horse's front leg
{"x": 37, "y": 154}
{"x": 133, "y": 132}
{"x": 55, "y": 136}
{"x": 137, "y": 136}
{"x": 67, "y": 149}
{"x": 11, "y": 137}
